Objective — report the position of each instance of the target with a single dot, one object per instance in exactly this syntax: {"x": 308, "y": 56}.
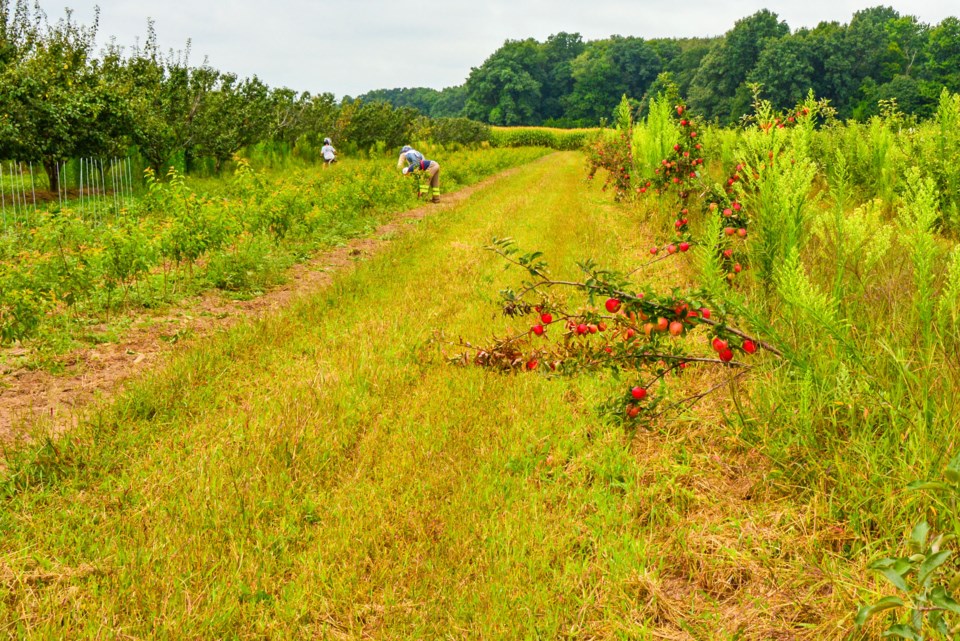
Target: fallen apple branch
{"x": 640, "y": 332}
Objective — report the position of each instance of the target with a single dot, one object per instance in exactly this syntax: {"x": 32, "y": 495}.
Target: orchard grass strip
{"x": 69, "y": 278}
{"x": 323, "y": 473}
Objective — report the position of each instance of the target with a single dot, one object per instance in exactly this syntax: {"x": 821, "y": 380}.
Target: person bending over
{"x": 412, "y": 161}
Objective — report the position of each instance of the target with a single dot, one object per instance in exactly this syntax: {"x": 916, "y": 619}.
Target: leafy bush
{"x": 252, "y": 265}
{"x": 455, "y": 131}
{"x": 237, "y": 235}
{"x": 560, "y": 139}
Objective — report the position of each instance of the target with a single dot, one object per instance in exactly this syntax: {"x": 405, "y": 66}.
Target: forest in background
{"x": 880, "y": 55}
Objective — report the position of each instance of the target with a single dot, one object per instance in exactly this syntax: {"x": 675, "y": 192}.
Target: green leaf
{"x": 931, "y": 563}
{"x": 902, "y": 566}
{"x": 927, "y": 485}
{"x": 919, "y": 535}
{"x": 895, "y": 578}
{"x": 902, "y": 631}
{"x": 940, "y": 598}
{"x": 955, "y": 582}
{"x": 882, "y": 564}
{"x": 868, "y": 611}
{"x": 952, "y": 473}
{"x": 939, "y": 624}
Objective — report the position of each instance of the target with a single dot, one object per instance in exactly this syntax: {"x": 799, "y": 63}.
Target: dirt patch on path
{"x": 29, "y": 398}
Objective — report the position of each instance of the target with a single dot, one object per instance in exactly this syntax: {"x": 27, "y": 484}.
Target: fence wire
{"x": 95, "y": 188}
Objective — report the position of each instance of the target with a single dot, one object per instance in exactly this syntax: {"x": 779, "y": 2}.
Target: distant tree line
{"x": 565, "y": 81}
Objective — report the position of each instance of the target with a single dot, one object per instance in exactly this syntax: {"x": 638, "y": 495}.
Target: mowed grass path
{"x": 324, "y": 473}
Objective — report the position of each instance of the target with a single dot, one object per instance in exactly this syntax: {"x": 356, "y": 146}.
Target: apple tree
{"x": 55, "y": 100}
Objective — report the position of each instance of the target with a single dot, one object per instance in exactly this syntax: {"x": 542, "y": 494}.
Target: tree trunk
{"x": 52, "y": 167}
{"x": 187, "y": 160}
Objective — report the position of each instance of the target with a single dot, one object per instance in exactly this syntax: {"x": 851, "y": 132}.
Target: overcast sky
{"x": 347, "y": 47}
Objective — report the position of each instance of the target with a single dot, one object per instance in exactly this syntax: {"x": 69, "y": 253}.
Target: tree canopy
{"x": 878, "y": 55}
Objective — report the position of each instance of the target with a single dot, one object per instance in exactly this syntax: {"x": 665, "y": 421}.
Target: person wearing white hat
{"x": 328, "y": 152}
{"x": 412, "y": 161}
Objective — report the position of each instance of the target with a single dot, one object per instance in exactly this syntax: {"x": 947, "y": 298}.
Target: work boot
{"x": 435, "y": 199}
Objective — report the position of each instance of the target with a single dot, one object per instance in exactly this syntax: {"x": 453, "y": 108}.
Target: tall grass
{"x": 653, "y": 140}
{"x": 779, "y": 198}
{"x": 552, "y": 138}
{"x": 858, "y": 289}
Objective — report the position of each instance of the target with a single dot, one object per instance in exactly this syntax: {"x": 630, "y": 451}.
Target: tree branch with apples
{"x": 620, "y": 328}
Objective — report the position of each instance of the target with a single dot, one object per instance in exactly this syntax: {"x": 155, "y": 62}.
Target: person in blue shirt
{"x": 412, "y": 161}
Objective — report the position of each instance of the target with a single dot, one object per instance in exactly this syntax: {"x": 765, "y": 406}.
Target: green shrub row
{"x": 66, "y": 269}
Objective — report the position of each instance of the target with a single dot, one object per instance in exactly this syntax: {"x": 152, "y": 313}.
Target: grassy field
{"x": 324, "y": 473}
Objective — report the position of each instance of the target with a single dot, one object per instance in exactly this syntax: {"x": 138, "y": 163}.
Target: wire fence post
{"x": 104, "y": 187}
{"x": 33, "y": 188}
{"x": 129, "y": 181}
{"x": 100, "y": 204}
{"x": 92, "y": 173}
{"x": 13, "y": 190}
{"x": 80, "y": 195}
{"x": 3, "y": 199}
{"x": 113, "y": 183}
{"x": 57, "y": 173}
{"x": 23, "y": 193}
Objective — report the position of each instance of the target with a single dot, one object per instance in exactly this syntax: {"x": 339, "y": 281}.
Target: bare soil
{"x": 31, "y": 398}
